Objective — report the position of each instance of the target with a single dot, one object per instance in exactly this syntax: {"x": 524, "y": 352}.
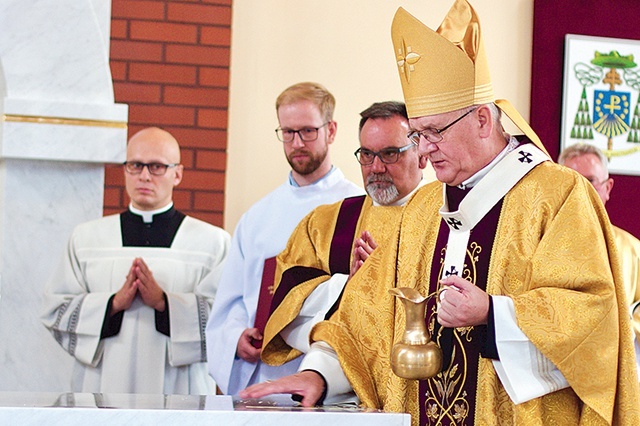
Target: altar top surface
{"x": 36, "y": 408}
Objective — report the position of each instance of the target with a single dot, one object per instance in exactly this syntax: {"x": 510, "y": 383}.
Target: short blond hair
{"x": 309, "y": 91}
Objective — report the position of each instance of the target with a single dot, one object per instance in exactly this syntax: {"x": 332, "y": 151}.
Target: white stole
{"x": 524, "y": 372}
{"x": 481, "y": 198}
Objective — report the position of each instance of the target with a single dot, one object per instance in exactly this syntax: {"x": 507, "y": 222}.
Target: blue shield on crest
{"x": 611, "y": 112}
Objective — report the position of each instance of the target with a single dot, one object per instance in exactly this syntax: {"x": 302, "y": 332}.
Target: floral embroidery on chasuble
{"x": 449, "y": 398}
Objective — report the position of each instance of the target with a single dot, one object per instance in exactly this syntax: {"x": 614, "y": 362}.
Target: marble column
{"x": 60, "y": 126}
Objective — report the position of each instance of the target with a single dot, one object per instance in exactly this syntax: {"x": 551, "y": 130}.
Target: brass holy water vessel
{"x": 415, "y": 356}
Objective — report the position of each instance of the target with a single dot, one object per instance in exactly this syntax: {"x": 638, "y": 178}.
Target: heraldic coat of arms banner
{"x": 601, "y": 98}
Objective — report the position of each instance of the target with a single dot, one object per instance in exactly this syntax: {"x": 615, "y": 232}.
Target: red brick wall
{"x": 170, "y": 64}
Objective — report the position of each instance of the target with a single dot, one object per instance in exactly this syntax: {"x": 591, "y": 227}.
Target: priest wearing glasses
{"x": 131, "y": 297}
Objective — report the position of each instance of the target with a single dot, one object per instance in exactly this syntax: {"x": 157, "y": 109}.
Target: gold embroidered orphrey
{"x": 446, "y": 398}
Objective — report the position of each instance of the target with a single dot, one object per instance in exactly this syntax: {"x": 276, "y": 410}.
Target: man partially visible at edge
{"x": 591, "y": 163}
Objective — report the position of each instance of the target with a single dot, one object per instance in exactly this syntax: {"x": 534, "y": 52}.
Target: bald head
{"x": 153, "y": 146}
{"x": 157, "y": 140}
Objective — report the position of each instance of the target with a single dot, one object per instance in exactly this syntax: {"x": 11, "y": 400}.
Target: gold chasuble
{"x": 629, "y": 250}
{"x": 553, "y": 255}
{"x": 310, "y": 257}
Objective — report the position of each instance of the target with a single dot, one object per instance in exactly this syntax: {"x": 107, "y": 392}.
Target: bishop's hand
{"x": 461, "y": 303}
{"x": 307, "y": 384}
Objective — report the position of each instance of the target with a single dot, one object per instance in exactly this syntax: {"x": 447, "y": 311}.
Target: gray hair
{"x": 496, "y": 112}
{"x": 580, "y": 149}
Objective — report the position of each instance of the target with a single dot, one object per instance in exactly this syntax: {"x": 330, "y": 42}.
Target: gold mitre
{"x": 447, "y": 70}
{"x": 443, "y": 70}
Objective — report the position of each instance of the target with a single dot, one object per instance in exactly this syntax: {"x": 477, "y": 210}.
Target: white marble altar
{"x": 60, "y": 125}
{"x": 104, "y": 409}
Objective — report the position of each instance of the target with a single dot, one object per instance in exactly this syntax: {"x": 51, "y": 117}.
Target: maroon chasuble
{"x": 449, "y": 398}
{"x": 339, "y": 254}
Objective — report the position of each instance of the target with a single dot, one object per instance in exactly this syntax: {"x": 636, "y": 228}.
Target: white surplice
{"x": 139, "y": 359}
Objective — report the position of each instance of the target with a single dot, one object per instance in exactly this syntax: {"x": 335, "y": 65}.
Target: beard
{"x": 381, "y": 194}
{"x": 309, "y": 165}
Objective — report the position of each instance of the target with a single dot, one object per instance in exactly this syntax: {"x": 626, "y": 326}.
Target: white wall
{"x": 346, "y": 46}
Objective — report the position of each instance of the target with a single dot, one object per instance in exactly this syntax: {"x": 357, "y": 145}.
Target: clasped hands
{"x": 139, "y": 281}
{"x": 362, "y": 249}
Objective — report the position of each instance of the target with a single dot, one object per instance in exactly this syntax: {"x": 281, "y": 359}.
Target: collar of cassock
{"x": 488, "y": 190}
{"x": 147, "y": 215}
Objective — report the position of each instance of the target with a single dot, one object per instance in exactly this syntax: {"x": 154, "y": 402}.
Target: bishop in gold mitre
{"x": 515, "y": 253}
{"x": 555, "y": 346}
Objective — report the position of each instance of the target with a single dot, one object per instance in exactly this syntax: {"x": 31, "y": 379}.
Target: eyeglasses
{"x": 306, "y": 134}
{"x": 366, "y": 157}
{"x": 434, "y": 135}
{"x": 156, "y": 169}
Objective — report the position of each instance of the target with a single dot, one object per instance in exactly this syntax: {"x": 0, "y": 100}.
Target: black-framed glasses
{"x": 156, "y": 169}
{"x": 306, "y": 134}
{"x": 366, "y": 157}
{"x": 434, "y": 135}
